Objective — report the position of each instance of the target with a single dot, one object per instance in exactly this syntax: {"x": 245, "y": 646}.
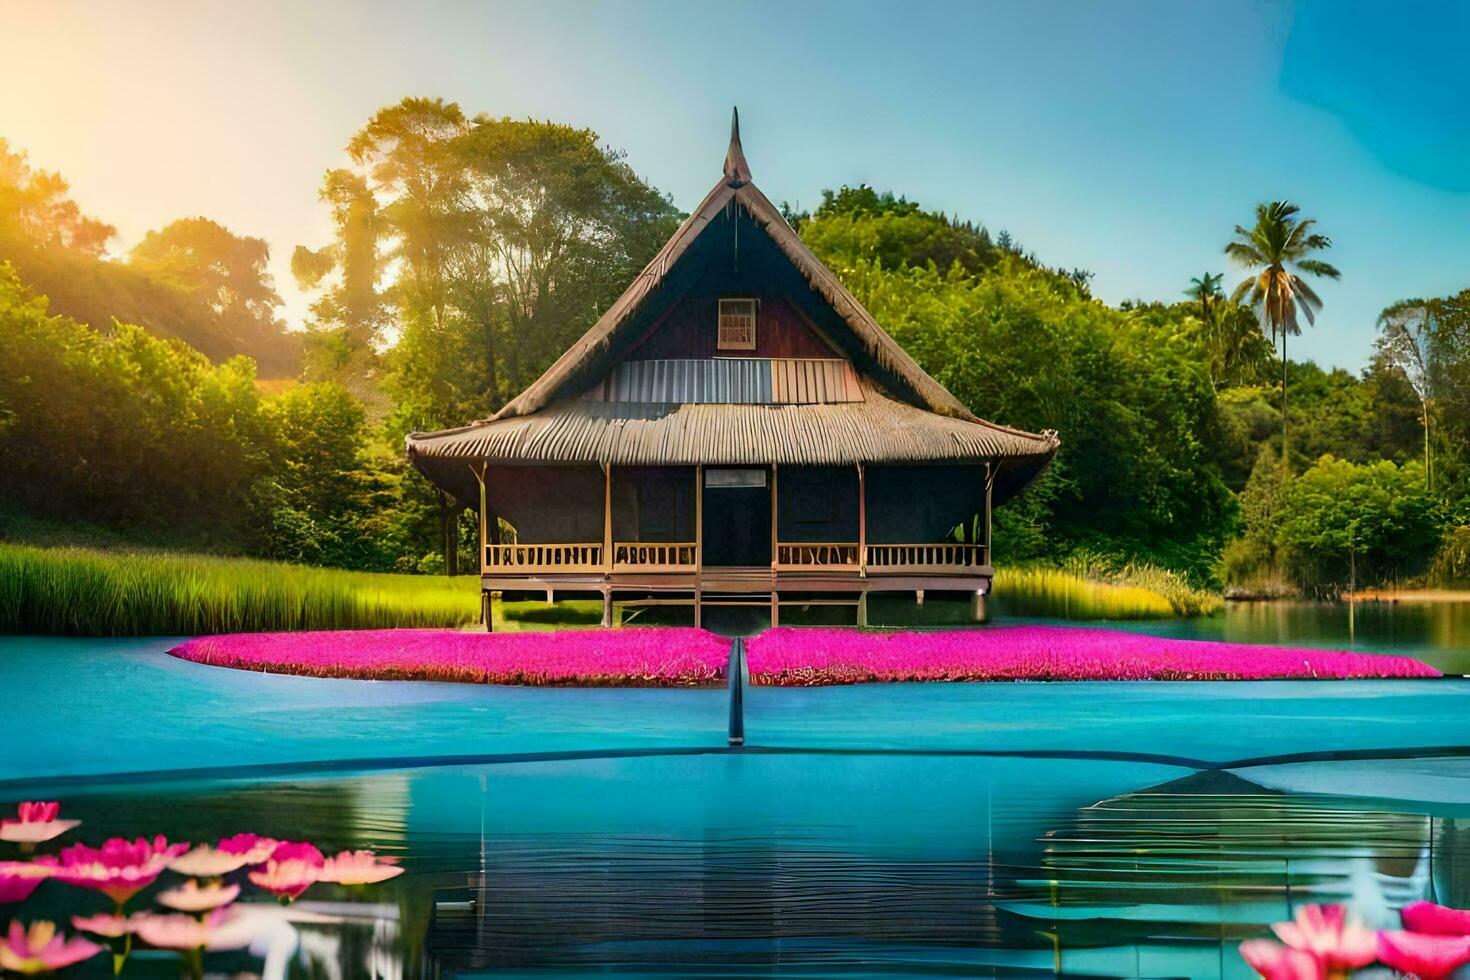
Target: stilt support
{"x": 487, "y": 614}
{"x": 919, "y": 598}
{"x": 775, "y": 609}
{"x": 607, "y": 607}
{"x": 862, "y": 608}
{"x": 981, "y": 609}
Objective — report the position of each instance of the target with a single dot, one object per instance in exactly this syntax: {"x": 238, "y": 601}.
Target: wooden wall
{"x": 689, "y": 330}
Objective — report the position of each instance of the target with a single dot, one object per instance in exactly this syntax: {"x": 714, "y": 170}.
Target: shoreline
{"x": 1364, "y": 595}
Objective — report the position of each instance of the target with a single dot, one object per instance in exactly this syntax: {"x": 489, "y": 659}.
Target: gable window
{"x": 737, "y": 324}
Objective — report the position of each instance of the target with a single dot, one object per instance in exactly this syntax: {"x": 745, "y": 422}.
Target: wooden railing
{"x": 683, "y": 556}
{"x": 949, "y": 556}
{"x": 817, "y": 554}
{"x": 543, "y": 557}
{"x": 644, "y": 556}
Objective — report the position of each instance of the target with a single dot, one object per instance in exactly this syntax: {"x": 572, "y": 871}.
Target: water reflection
{"x": 833, "y": 865}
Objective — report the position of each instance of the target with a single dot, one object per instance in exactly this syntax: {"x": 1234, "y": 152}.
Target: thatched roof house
{"x": 735, "y": 361}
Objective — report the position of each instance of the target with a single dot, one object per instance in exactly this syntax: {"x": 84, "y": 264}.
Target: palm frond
{"x": 1317, "y": 267}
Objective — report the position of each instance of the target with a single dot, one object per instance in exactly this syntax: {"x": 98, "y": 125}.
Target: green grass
{"x": 1083, "y": 591}
{"x": 84, "y": 592}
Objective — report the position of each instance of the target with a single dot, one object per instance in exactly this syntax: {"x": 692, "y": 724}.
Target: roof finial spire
{"x": 737, "y": 171}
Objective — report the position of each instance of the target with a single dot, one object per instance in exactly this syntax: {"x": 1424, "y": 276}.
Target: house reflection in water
{"x": 1163, "y": 881}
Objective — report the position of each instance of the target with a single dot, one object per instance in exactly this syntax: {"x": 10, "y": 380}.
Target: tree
{"x": 227, "y": 271}
{"x": 1205, "y": 289}
{"x": 1428, "y": 342}
{"x": 349, "y": 315}
{"x": 1376, "y": 518}
{"x": 1276, "y": 250}
{"x": 36, "y": 205}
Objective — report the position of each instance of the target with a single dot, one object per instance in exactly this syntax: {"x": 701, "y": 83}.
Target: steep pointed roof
{"x": 904, "y": 416}
{"x": 598, "y": 347}
{"x": 737, "y": 171}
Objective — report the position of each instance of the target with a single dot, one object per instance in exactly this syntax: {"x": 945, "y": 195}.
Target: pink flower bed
{"x": 673, "y": 657}
{"x": 802, "y": 657}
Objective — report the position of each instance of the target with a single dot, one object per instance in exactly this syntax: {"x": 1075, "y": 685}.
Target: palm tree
{"x": 1276, "y": 250}
{"x": 1205, "y": 289}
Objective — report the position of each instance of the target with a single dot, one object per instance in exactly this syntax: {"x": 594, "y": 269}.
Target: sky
{"x": 1126, "y": 138}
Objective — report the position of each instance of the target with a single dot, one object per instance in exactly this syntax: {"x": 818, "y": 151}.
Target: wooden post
{"x": 862, "y": 608}
{"x": 484, "y": 539}
{"x": 607, "y": 528}
{"x": 775, "y": 544}
{"x": 486, "y": 616}
{"x": 775, "y": 608}
{"x": 862, "y": 522}
{"x": 989, "y": 485}
{"x": 698, "y": 543}
{"x": 607, "y": 607}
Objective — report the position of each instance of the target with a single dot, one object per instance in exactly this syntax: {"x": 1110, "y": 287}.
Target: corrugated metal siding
{"x": 730, "y": 381}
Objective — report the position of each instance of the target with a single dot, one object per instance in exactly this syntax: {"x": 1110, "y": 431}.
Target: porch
{"x": 706, "y": 536}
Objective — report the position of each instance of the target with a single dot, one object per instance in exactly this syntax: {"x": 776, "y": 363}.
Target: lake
{"x": 905, "y": 830}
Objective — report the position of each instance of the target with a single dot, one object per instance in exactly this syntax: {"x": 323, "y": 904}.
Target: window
{"x": 737, "y": 324}
{"x": 714, "y": 478}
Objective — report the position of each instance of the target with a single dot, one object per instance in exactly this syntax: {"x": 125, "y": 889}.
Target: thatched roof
{"x": 905, "y": 415}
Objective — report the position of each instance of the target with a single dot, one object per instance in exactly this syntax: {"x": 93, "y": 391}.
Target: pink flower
{"x": 34, "y": 823}
{"x": 1274, "y": 961}
{"x": 359, "y": 868}
{"x": 118, "y": 869}
{"x": 110, "y": 926}
{"x": 224, "y": 928}
{"x": 19, "y": 878}
{"x": 293, "y": 867}
{"x": 232, "y": 854}
{"x": 40, "y": 950}
{"x": 294, "y": 850}
{"x": 1426, "y": 957}
{"x": 253, "y": 848}
{"x": 190, "y": 897}
{"x": 1435, "y": 920}
{"x": 655, "y": 657}
{"x": 1326, "y": 932}
{"x": 801, "y": 656}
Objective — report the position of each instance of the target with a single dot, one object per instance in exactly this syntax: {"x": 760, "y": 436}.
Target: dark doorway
{"x": 737, "y": 517}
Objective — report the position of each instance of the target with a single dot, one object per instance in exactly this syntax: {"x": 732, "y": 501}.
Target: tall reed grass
{"x": 1085, "y": 591}
{"x": 83, "y": 592}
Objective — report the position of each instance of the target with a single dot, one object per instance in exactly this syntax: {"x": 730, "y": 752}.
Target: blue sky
{"x": 1124, "y": 138}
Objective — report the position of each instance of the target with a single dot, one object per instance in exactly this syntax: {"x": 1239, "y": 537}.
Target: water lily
{"x": 19, "y": 878}
{"x": 232, "y": 854}
{"x": 40, "y": 950}
{"x": 224, "y": 928}
{"x": 252, "y": 848}
{"x": 1436, "y": 920}
{"x": 1326, "y": 932}
{"x": 120, "y": 868}
{"x": 104, "y": 924}
{"x": 192, "y": 897}
{"x": 359, "y": 868}
{"x": 1274, "y": 961}
{"x": 35, "y": 823}
{"x": 1426, "y": 957}
{"x": 294, "y": 866}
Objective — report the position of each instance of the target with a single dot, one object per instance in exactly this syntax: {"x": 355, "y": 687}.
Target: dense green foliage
{"x": 192, "y": 281}
{"x": 468, "y": 251}
{"x": 1130, "y": 390}
{"x": 93, "y": 593}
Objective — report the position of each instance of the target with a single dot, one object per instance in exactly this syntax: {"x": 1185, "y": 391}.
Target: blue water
{"x": 1124, "y": 829}
{"x": 92, "y": 707}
